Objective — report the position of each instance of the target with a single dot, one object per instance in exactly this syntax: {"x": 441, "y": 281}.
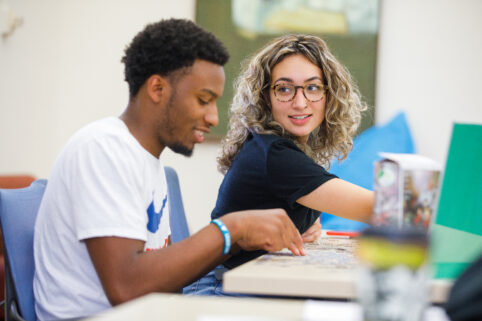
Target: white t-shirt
{"x": 104, "y": 183}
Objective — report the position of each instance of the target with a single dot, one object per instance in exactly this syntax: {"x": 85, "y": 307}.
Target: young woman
{"x": 295, "y": 109}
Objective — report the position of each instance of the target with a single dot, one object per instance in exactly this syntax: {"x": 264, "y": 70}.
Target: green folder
{"x": 456, "y": 236}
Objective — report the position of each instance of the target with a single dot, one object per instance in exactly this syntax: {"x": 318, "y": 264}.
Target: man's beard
{"x": 176, "y": 147}
{"x": 180, "y": 149}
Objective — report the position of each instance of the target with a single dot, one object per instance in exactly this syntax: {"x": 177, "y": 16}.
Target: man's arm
{"x": 127, "y": 272}
{"x": 341, "y": 198}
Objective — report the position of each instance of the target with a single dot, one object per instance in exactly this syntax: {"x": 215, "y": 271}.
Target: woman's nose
{"x": 300, "y": 100}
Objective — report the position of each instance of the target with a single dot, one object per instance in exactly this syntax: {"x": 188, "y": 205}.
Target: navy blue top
{"x": 269, "y": 172}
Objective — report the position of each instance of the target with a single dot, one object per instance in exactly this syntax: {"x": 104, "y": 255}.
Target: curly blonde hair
{"x": 251, "y": 111}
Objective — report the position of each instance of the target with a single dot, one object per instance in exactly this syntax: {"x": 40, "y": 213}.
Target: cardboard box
{"x": 406, "y": 190}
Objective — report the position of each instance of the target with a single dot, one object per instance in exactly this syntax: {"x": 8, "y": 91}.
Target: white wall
{"x": 61, "y": 69}
{"x": 430, "y": 65}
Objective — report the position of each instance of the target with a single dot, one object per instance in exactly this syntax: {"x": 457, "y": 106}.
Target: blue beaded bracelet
{"x": 226, "y": 235}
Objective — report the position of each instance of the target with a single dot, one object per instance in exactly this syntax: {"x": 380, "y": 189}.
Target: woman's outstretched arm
{"x": 341, "y": 198}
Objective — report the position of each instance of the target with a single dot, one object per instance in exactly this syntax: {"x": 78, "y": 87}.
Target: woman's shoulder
{"x": 264, "y": 146}
{"x": 273, "y": 142}
{"x": 272, "y": 139}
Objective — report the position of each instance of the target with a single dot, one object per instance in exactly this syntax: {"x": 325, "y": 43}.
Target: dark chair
{"x": 177, "y": 217}
{"x": 18, "y": 211}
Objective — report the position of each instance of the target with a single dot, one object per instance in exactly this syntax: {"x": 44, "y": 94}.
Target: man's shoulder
{"x": 109, "y": 137}
{"x": 110, "y": 126}
{"x": 110, "y": 132}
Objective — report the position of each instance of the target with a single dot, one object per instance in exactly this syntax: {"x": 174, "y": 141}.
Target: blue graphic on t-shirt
{"x": 154, "y": 217}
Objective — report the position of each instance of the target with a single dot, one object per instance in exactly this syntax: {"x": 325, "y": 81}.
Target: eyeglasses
{"x": 287, "y": 92}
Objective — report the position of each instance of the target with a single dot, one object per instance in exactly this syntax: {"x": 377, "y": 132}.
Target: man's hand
{"x": 313, "y": 233}
{"x": 270, "y": 230}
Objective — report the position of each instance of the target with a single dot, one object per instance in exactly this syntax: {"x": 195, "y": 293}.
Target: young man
{"x": 103, "y": 224}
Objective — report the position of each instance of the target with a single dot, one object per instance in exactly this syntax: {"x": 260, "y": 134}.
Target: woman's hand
{"x": 313, "y": 233}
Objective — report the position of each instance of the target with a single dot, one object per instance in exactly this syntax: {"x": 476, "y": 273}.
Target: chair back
{"x": 177, "y": 217}
{"x": 18, "y": 211}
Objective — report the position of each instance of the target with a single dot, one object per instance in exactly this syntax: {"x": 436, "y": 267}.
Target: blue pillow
{"x": 393, "y": 137}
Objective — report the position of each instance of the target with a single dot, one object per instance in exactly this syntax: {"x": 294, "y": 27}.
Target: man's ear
{"x": 156, "y": 87}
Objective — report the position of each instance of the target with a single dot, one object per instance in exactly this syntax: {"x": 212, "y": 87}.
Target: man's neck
{"x": 141, "y": 128}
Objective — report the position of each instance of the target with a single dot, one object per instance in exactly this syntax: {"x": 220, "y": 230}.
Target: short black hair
{"x": 167, "y": 46}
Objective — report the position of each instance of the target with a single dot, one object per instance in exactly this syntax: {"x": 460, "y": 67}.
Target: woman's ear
{"x": 156, "y": 87}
